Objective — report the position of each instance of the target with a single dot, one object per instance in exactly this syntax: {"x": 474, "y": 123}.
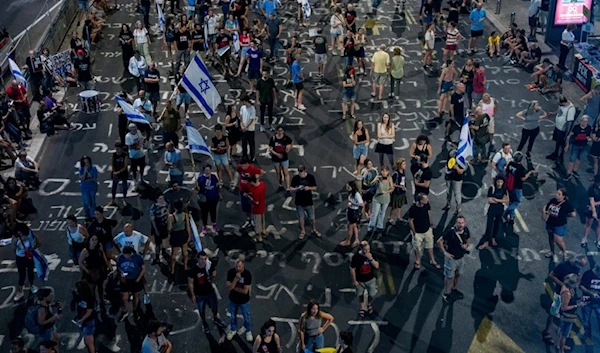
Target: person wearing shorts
{"x": 452, "y": 38}
{"x": 420, "y": 221}
{"x": 362, "y": 271}
{"x": 578, "y": 139}
{"x": 454, "y": 244}
{"x": 446, "y": 87}
{"x": 476, "y": 17}
{"x": 556, "y": 213}
{"x": 380, "y": 67}
{"x": 131, "y": 268}
{"x": 297, "y": 79}
{"x": 349, "y": 94}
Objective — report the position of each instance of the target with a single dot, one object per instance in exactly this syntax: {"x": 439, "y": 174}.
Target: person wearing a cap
{"x": 135, "y": 142}
{"x": 592, "y": 212}
{"x": 83, "y": 70}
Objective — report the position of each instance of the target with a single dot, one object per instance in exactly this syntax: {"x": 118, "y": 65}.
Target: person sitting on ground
{"x": 27, "y": 170}
{"x": 493, "y": 44}
{"x": 51, "y": 119}
{"x": 53, "y": 104}
{"x": 551, "y": 81}
{"x": 516, "y": 47}
{"x": 540, "y": 70}
{"x": 509, "y": 36}
{"x": 531, "y": 58}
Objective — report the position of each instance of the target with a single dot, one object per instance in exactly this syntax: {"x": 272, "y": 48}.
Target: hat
{"x": 80, "y": 52}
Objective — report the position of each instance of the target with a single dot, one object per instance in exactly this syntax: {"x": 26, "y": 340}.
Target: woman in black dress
{"x": 126, "y": 41}
{"x": 94, "y": 266}
{"x": 232, "y": 125}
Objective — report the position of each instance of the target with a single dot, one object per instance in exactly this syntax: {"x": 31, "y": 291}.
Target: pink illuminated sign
{"x": 571, "y": 12}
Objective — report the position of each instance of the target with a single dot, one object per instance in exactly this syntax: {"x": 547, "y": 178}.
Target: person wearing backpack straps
{"x": 563, "y": 124}
{"x": 515, "y": 177}
{"x": 25, "y": 242}
{"x": 40, "y": 319}
{"x": 501, "y": 160}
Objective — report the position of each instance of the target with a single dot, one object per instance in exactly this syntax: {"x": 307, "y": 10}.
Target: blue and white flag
{"x": 162, "y": 22}
{"x": 198, "y": 83}
{"x": 41, "y": 265}
{"x": 17, "y": 72}
{"x": 132, "y": 114}
{"x": 236, "y": 42}
{"x": 196, "y": 235}
{"x": 206, "y": 47}
{"x": 196, "y": 143}
{"x": 465, "y": 144}
{"x": 306, "y": 10}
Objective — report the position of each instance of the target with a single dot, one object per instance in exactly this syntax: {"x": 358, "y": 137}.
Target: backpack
{"x": 510, "y": 181}
{"x": 31, "y": 320}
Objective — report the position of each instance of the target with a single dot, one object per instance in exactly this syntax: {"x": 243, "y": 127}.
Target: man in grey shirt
{"x": 155, "y": 341}
{"x": 563, "y": 123}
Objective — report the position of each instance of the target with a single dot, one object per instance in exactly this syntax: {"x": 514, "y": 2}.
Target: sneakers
{"x": 204, "y": 230}
{"x": 219, "y": 323}
{"x": 568, "y": 177}
{"x": 215, "y": 228}
{"x": 33, "y": 289}
{"x": 18, "y": 296}
{"x": 247, "y": 224}
{"x": 447, "y": 299}
{"x": 123, "y": 316}
{"x": 249, "y": 337}
{"x": 262, "y": 128}
{"x": 205, "y": 329}
{"x": 241, "y": 331}
{"x": 230, "y": 335}
{"x": 301, "y": 107}
{"x": 272, "y": 127}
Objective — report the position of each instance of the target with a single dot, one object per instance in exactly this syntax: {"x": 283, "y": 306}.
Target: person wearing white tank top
{"x": 489, "y": 106}
{"x": 76, "y": 236}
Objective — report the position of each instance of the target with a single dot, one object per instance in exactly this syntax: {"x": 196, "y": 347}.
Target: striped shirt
{"x": 452, "y": 36}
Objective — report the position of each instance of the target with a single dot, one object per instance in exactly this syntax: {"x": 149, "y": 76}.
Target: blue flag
{"x": 162, "y": 22}
{"x": 465, "y": 144}
{"x": 198, "y": 83}
{"x": 17, "y": 72}
{"x": 196, "y": 143}
{"x": 132, "y": 114}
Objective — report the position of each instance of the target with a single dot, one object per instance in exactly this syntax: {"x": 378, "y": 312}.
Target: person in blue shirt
{"x": 132, "y": 269}
{"x": 209, "y": 195}
{"x": 297, "y": 79}
{"x": 88, "y": 174}
{"x": 270, "y": 6}
{"x": 254, "y": 56}
{"x": 476, "y": 17}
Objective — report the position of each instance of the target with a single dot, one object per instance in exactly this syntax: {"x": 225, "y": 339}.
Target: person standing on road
{"x": 239, "y": 282}
{"x": 208, "y": 186}
{"x": 279, "y": 147}
{"x": 555, "y": 213}
{"x": 476, "y": 18}
{"x": 456, "y": 99}
{"x": 420, "y": 150}
{"x": 132, "y": 238}
{"x": 515, "y": 177}
{"x": 592, "y": 104}
{"x": 489, "y": 106}
{"x": 497, "y": 197}
{"x": 420, "y": 221}
{"x": 85, "y": 304}
{"x": 573, "y": 265}
{"x": 132, "y": 269}
{"x": 126, "y": 41}
{"x": 174, "y": 164}
{"x": 454, "y": 244}
{"x": 159, "y": 214}
{"x": 180, "y": 233}
{"x": 267, "y": 98}
{"x": 320, "y": 44}
{"x": 353, "y": 214}
{"x": 566, "y": 43}
{"x": 592, "y": 212}
{"x": 256, "y": 190}
{"x": 396, "y": 73}
{"x": 82, "y": 67}
{"x": 152, "y": 83}
{"x": 303, "y": 185}
{"x": 219, "y": 148}
{"x": 386, "y": 135}
{"x": 336, "y": 31}
{"x": 563, "y": 124}
{"x": 274, "y": 28}
{"x": 362, "y": 273}
{"x": 568, "y": 310}
{"x": 254, "y": 56}
{"x": 311, "y": 327}
{"x": 298, "y": 80}
{"x": 137, "y": 67}
{"x": 77, "y": 236}
{"x": 95, "y": 266}
{"x": 466, "y": 77}
{"x": 501, "y": 160}
{"x": 399, "y": 193}
{"x": 120, "y": 174}
{"x": 245, "y": 171}
{"x": 46, "y": 318}
{"x": 268, "y": 340}
{"x": 234, "y": 133}
{"x": 18, "y": 94}
{"x": 590, "y": 286}
{"x": 361, "y": 140}
{"x": 349, "y": 93}
{"x": 350, "y": 18}
{"x": 182, "y": 43}
{"x": 142, "y": 40}
{"x": 380, "y": 67}
{"x": 454, "y": 180}
{"x": 381, "y": 200}
{"x": 479, "y": 85}
{"x": 531, "y": 125}
{"x": 360, "y": 40}
{"x": 201, "y": 277}
{"x": 579, "y": 138}
{"x": 88, "y": 175}
{"x": 137, "y": 156}
{"x": 25, "y": 243}
{"x": 422, "y": 177}
{"x": 248, "y": 126}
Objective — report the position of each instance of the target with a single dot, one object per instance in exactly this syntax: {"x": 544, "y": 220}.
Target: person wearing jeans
{"x": 563, "y": 123}
{"x": 239, "y": 281}
{"x": 515, "y": 195}
{"x": 497, "y": 197}
{"x": 146, "y": 12}
{"x": 311, "y": 327}
{"x": 208, "y": 186}
{"x": 381, "y": 200}
{"x": 590, "y": 286}
{"x": 88, "y": 174}
{"x": 25, "y": 243}
{"x": 120, "y": 174}
{"x": 248, "y": 126}
{"x": 531, "y": 125}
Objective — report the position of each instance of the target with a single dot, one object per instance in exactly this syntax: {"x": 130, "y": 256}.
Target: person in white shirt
{"x": 563, "y": 123}
{"x": 173, "y": 161}
{"x": 132, "y": 238}
{"x": 566, "y": 43}
{"x": 137, "y": 67}
{"x": 135, "y": 142}
{"x": 143, "y": 105}
{"x": 211, "y": 26}
{"x": 429, "y": 44}
{"x": 534, "y": 10}
{"x": 141, "y": 39}
{"x": 248, "y": 125}
{"x": 27, "y": 170}
{"x": 501, "y": 160}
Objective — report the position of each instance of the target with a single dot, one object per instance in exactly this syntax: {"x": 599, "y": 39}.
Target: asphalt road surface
{"x": 505, "y": 298}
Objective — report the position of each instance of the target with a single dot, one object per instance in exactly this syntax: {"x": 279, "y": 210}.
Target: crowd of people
{"x": 113, "y": 267}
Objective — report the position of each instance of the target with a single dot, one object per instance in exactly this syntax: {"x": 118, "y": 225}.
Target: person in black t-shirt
{"x": 422, "y": 177}
{"x": 454, "y": 244}
{"x": 83, "y": 70}
{"x": 303, "y": 185}
{"x": 349, "y": 48}
{"x": 279, "y": 147}
{"x": 420, "y": 221}
{"x": 152, "y": 81}
{"x": 239, "y": 281}
{"x": 85, "y": 305}
{"x": 592, "y": 212}
{"x": 578, "y": 139}
{"x": 350, "y": 18}
{"x": 200, "y": 284}
{"x": 219, "y": 147}
{"x": 530, "y": 58}
{"x": 497, "y": 197}
{"x": 182, "y": 41}
{"x": 556, "y": 212}
{"x": 362, "y": 271}
{"x": 197, "y": 38}
{"x": 102, "y": 228}
{"x": 457, "y": 110}
{"x": 454, "y": 178}
{"x": 590, "y": 286}
{"x": 453, "y": 11}
{"x": 515, "y": 193}
{"x": 223, "y": 40}
{"x": 267, "y": 97}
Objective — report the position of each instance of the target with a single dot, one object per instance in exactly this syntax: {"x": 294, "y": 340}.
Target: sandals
{"x": 417, "y": 266}
{"x": 435, "y": 264}
{"x": 547, "y": 338}
{"x": 302, "y": 235}
{"x": 361, "y": 314}
{"x": 370, "y": 309}
{"x": 316, "y": 233}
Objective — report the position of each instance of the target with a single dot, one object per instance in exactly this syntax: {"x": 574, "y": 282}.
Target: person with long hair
{"x": 25, "y": 243}
{"x": 349, "y": 93}
{"x": 360, "y": 150}
{"x": 466, "y": 77}
{"x": 88, "y": 174}
{"x": 354, "y": 214}
{"x": 497, "y": 197}
{"x": 531, "y": 125}
{"x": 381, "y": 200}
{"x": 568, "y": 309}
{"x": 180, "y": 233}
{"x": 311, "y": 326}
{"x": 396, "y": 73}
{"x": 267, "y": 341}
{"x": 420, "y": 150}
{"x": 126, "y": 41}
{"x": 95, "y": 266}
{"x": 77, "y": 235}
{"x": 169, "y": 39}
{"x": 232, "y": 125}
{"x": 142, "y": 40}
{"x": 346, "y": 340}
{"x": 555, "y": 213}
{"x": 428, "y": 45}
{"x": 399, "y": 193}
{"x": 386, "y": 135}
{"x": 86, "y": 315}
{"x": 368, "y": 185}
{"x": 360, "y": 40}
{"x": 46, "y": 317}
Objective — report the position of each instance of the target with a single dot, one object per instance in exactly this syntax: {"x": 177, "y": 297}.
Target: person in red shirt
{"x": 478, "y": 83}
{"x": 245, "y": 171}
{"x": 256, "y": 191}
{"x": 18, "y": 94}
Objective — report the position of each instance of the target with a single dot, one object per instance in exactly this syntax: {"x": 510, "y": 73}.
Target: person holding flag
{"x": 465, "y": 144}
{"x": 17, "y": 74}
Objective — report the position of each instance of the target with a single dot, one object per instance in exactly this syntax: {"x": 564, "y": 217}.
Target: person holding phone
{"x": 132, "y": 269}
{"x": 155, "y": 340}
{"x": 362, "y": 272}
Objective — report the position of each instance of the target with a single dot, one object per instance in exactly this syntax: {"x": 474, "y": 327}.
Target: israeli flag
{"x": 236, "y": 42}
{"x": 196, "y": 143}
{"x": 465, "y": 144}
{"x": 162, "y": 22}
{"x": 206, "y": 47}
{"x": 306, "y": 10}
{"x": 196, "y": 235}
{"x": 198, "y": 83}
{"x": 17, "y": 72}
{"x": 132, "y": 114}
